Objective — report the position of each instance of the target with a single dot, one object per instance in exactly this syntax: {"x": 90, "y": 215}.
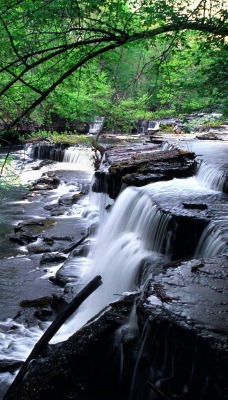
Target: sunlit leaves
{"x": 45, "y": 43}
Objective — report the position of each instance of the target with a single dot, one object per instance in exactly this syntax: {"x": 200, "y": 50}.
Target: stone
{"x": 140, "y": 165}
{"x": 52, "y": 258}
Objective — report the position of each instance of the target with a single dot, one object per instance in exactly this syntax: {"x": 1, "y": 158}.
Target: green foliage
{"x": 78, "y": 59}
{"x": 122, "y": 116}
{"x": 8, "y": 177}
{"x": 65, "y": 137}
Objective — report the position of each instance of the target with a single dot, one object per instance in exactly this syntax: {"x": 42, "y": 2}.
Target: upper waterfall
{"x": 80, "y": 156}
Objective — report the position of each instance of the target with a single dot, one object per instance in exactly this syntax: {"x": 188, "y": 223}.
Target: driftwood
{"x": 54, "y": 327}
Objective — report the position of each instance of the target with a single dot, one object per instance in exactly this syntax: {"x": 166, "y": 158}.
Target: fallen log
{"x": 74, "y": 245}
{"x": 54, "y": 327}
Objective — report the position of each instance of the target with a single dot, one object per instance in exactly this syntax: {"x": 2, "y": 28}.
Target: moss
{"x": 54, "y": 137}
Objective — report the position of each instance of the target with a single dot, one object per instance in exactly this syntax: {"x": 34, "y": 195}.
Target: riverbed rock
{"x": 52, "y": 258}
{"x": 48, "y": 181}
{"x": 69, "y": 198}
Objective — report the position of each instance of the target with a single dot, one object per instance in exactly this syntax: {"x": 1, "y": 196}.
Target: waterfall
{"x": 214, "y": 239}
{"x": 79, "y": 156}
{"x": 100, "y": 202}
{"x": 44, "y": 151}
{"x": 96, "y": 125}
{"x": 130, "y": 241}
{"x": 211, "y": 177}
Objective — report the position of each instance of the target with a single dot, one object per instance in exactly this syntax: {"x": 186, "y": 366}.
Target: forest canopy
{"x": 78, "y": 59}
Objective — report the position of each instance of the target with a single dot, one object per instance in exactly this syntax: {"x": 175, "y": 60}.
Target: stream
{"x": 134, "y": 232}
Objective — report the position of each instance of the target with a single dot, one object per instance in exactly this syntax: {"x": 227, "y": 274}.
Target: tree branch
{"x": 54, "y": 327}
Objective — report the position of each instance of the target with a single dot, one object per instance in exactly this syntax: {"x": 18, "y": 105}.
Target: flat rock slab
{"x": 188, "y": 300}
{"x": 140, "y": 165}
{"x": 196, "y": 290}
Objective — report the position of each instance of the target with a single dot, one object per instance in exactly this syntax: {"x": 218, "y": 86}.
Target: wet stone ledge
{"x": 189, "y": 301}
{"x": 141, "y": 165}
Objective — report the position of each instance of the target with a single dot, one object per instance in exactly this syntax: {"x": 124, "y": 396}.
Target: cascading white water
{"x": 133, "y": 234}
{"x": 136, "y": 231}
{"x": 210, "y": 177}
{"x": 214, "y": 239}
{"x": 100, "y": 203}
{"x": 82, "y": 157}
{"x": 96, "y": 126}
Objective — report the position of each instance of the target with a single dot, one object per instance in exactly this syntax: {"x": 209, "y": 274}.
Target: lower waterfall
{"x": 130, "y": 240}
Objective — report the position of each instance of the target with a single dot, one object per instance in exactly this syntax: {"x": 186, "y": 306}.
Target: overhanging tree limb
{"x": 114, "y": 42}
{"x": 45, "y": 94}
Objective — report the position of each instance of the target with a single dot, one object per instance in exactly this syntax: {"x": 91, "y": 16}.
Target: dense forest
{"x": 124, "y": 60}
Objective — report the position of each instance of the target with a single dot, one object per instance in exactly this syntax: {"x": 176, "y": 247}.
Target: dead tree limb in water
{"x": 74, "y": 245}
{"x": 54, "y": 327}
{"x": 7, "y": 155}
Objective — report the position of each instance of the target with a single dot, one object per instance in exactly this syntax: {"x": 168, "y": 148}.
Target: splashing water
{"x": 212, "y": 178}
{"x": 131, "y": 236}
{"x": 82, "y": 157}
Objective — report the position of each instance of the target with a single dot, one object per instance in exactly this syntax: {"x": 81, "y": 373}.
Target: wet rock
{"x": 22, "y": 226}
{"x": 10, "y": 365}
{"x": 52, "y": 258}
{"x": 194, "y": 316}
{"x": 210, "y": 136}
{"x": 47, "y": 308}
{"x": 48, "y": 181}
{"x": 42, "y": 164}
{"x": 69, "y": 199}
{"x": 68, "y": 273}
{"x": 38, "y": 248}
{"x": 58, "y": 211}
{"x": 141, "y": 165}
{"x": 58, "y": 281}
{"x": 50, "y": 207}
{"x": 50, "y": 244}
{"x": 41, "y": 302}
{"x": 22, "y": 238}
{"x": 200, "y": 206}
{"x": 43, "y": 315}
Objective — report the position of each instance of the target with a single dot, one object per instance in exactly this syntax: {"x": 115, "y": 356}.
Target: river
{"x": 128, "y": 235}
